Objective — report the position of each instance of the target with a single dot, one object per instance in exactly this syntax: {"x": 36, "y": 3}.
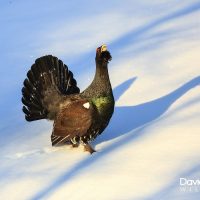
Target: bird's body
{"x": 50, "y": 92}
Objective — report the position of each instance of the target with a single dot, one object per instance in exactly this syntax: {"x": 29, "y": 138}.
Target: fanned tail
{"x": 47, "y": 82}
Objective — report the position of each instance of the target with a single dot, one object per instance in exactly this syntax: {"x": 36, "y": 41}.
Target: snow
{"x": 153, "y": 138}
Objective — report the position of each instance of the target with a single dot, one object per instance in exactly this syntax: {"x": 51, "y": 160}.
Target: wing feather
{"x": 74, "y": 120}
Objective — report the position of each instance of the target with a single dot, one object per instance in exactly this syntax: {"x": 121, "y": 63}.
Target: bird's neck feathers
{"x": 101, "y": 74}
{"x": 100, "y": 85}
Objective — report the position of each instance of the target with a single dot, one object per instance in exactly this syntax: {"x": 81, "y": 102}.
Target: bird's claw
{"x": 88, "y": 148}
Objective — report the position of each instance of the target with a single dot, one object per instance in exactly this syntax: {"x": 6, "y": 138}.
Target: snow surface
{"x": 153, "y": 139}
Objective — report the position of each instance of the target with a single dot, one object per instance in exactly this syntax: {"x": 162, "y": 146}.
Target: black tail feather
{"x": 48, "y": 78}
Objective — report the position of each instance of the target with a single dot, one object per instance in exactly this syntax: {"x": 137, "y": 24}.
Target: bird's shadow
{"x": 128, "y": 118}
{"x": 125, "y": 119}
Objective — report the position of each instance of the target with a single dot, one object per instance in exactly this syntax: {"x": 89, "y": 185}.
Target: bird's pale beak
{"x": 103, "y": 48}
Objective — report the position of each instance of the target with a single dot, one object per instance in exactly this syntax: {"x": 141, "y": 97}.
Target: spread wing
{"x": 74, "y": 120}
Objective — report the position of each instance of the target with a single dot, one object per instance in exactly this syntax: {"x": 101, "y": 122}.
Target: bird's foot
{"x": 88, "y": 148}
{"x": 75, "y": 145}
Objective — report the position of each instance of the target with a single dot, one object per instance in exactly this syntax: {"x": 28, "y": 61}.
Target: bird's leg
{"x": 75, "y": 145}
{"x": 74, "y": 142}
{"x": 88, "y": 148}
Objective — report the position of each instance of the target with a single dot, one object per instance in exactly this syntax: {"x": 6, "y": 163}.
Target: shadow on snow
{"x": 127, "y": 118}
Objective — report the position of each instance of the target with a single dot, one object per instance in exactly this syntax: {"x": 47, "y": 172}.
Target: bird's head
{"x": 103, "y": 55}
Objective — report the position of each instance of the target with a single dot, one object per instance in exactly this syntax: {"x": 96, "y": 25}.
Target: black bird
{"x": 51, "y": 92}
